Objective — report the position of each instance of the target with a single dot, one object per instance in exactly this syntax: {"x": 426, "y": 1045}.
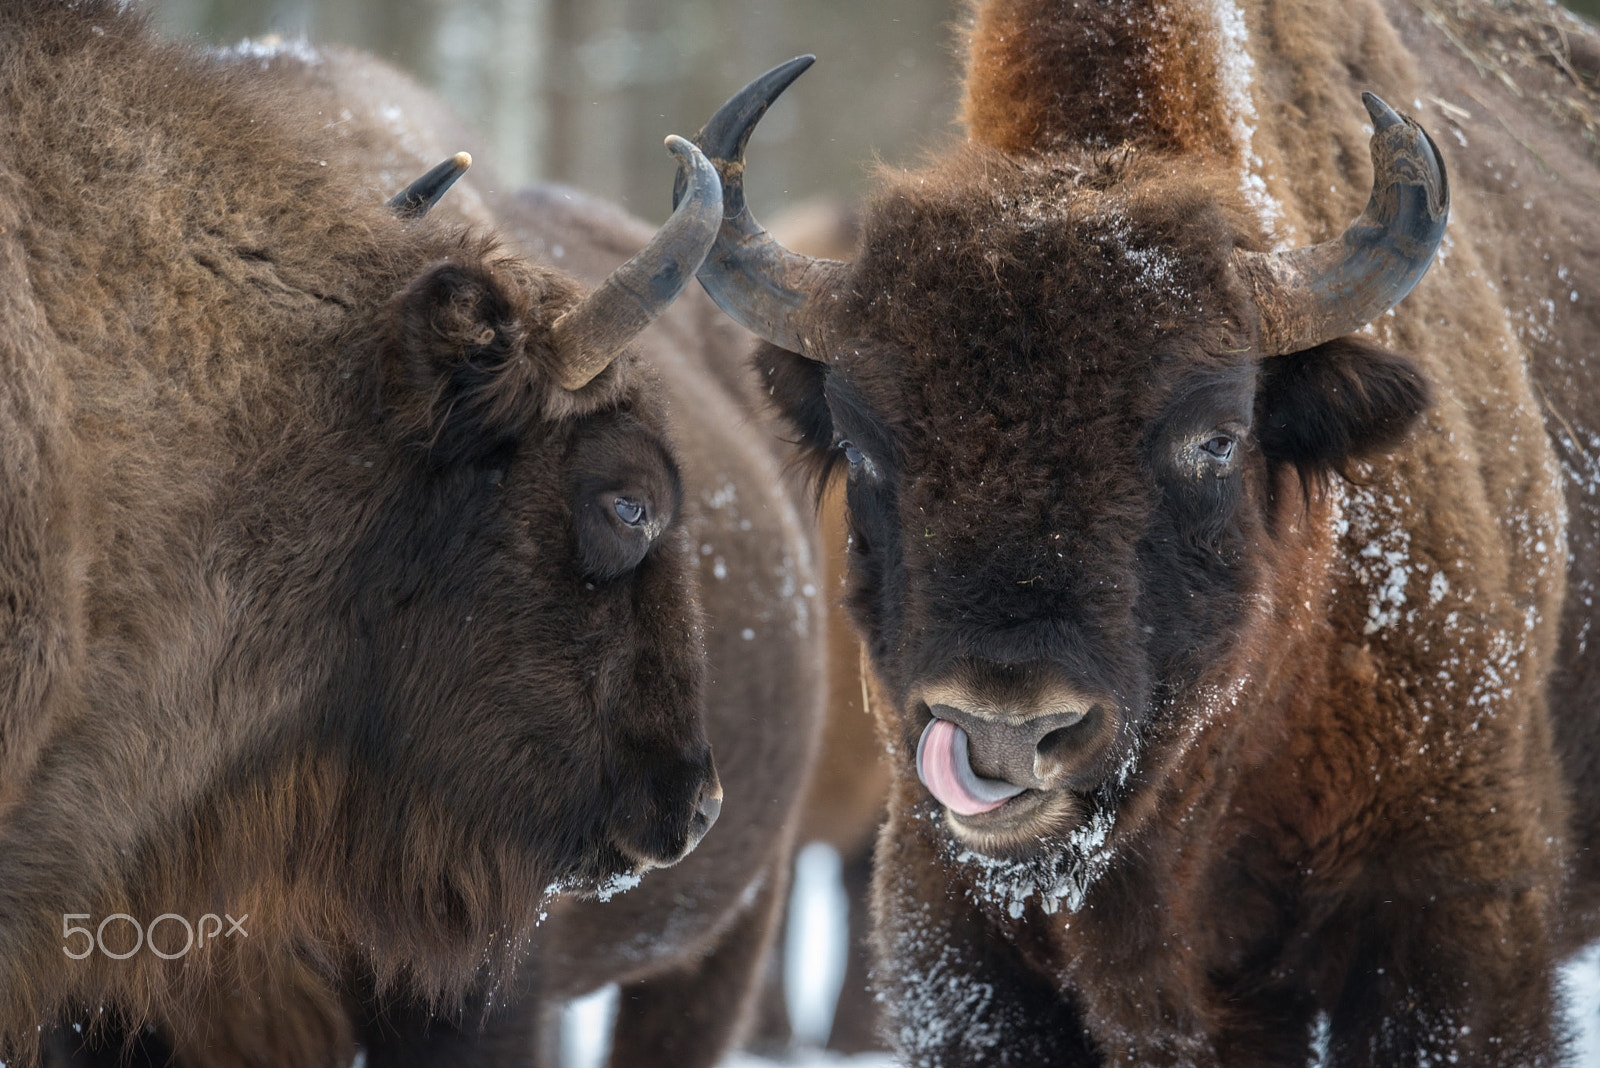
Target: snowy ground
{"x": 816, "y": 966}
{"x": 1582, "y": 980}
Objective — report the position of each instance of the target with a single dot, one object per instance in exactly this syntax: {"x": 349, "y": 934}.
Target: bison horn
{"x": 591, "y": 334}
{"x": 1310, "y": 295}
{"x": 763, "y": 286}
{"x": 414, "y": 200}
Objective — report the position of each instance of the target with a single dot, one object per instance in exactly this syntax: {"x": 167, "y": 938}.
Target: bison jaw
{"x": 1021, "y": 827}
{"x": 993, "y": 816}
{"x": 1016, "y": 841}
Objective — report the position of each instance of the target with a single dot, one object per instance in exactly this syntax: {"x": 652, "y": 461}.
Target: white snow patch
{"x": 603, "y": 891}
{"x": 266, "y": 49}
{"x": 1157, "y": 267}
{"x": 816, "y": 943}
{"x": 1061, "y": 874}
{"x": 1321, "y": 1039}
{"x": 617, "y": 884}
{"x": 586, "y": 1025}
{"x": 1579, "y": 987}
{"x": 1234, "y": 70}
{"x": 1384, "y": 564}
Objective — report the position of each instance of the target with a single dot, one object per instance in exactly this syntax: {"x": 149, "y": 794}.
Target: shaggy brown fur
{"x": 1339, "y": 771}
{"x": 1117, "y": 71}
{"x": 687, "y": 942}
{"x": 300, "y": 617}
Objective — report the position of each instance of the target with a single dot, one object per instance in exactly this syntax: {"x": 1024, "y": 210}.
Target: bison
{"x": 1229, "y": 609}
{"x": 359, "y": 576}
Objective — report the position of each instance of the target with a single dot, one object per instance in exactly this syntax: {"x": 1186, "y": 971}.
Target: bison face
{"x": 1067, "y": 456}
{"x": 1044, "y": 398}
{"x": 1062, "y": 447}
{"x": 1072, "y": 466}
{"x": 525, "y": 596}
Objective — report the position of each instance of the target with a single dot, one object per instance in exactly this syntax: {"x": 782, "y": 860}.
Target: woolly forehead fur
{"x": 1047, "y": 74}
{"x": 1000, "y": 292}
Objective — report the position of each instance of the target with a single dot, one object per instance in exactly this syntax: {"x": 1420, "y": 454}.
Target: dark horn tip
{"x": 414, "y": 200}
{"x": 724, "y": 137}
{"x": 1383, "y": 116}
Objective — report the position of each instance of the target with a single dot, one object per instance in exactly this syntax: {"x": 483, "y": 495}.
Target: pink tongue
{"x": 943, "y": 767}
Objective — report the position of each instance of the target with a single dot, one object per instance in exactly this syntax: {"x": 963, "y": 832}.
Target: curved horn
{"x": 414, "y": 200}
{"x": 763, "y": 286}
{"x": 1314, "y": 294}
{"x": 592, "y": 333}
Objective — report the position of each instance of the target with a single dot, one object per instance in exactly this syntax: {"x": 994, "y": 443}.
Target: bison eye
{"x": 617, "y": 528}
{"x": 630, "y": 511}
{"x": 851, "y": 453}
{"x": 1219, "y": 448}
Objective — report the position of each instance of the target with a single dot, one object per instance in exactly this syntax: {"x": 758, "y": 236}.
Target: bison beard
{"x": 348, "y": 574}
{"x": 1284, "y": 632}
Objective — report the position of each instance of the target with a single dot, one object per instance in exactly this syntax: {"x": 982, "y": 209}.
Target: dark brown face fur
{"x": 533, "y": 591}
{"x": 1060, "y": 446}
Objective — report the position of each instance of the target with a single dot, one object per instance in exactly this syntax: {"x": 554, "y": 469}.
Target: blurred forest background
{"x": 583, "y": 91}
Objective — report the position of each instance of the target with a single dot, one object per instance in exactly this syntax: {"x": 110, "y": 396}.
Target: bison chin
{"x": 1051, "y": 847}
{"x": 1023, "y": 827}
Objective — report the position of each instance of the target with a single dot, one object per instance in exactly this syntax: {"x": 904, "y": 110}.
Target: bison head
{"x": 536, "y": 652}
{"x": 1072, "y": 403}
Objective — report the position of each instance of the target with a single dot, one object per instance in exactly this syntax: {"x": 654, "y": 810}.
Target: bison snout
{"x": 1053, "y": 750}
{"x": 1011, "y": 751}
{"x": 665, "y": 812}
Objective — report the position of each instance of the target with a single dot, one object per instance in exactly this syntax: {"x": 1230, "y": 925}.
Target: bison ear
{"x": 795, "y": 390}
{"x": 1345, "y": 400}
{"x": 463, "y": 386}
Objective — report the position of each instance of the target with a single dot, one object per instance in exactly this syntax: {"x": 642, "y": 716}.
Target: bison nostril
{"x": 1049, "y": 753}
{"x": 1056, "y": 748}
{"x": 707, "y": 807}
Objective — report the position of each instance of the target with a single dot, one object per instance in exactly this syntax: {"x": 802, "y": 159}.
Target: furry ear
{"x": 1345, "y": 400}
{"x": 795, "y": 388}
{"x": 463, "y": 384}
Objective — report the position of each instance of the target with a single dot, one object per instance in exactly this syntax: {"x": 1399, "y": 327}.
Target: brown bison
{"x": 686, "y": 944}
{"x": 358, "y": 577}
{"x": 1231, "y": 631}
